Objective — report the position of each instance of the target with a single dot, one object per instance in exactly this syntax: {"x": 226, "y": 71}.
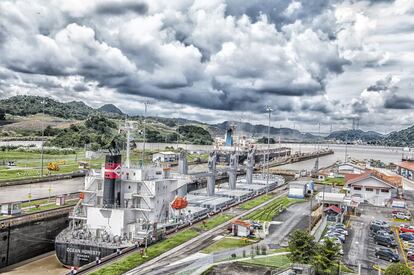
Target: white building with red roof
{"x": 374, "y": 187}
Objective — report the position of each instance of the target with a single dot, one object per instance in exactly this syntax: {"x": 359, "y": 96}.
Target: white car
{"x": 402, "y": 216}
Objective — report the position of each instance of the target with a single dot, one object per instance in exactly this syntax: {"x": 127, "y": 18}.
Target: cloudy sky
{"x": 311, "y": 60}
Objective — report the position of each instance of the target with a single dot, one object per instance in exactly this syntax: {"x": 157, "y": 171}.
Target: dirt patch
{"x": 238, "y": 269}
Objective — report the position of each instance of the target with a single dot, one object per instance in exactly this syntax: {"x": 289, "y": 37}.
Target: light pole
{"x": 43, "y": 134}
{"x": 145, "y": 121}
{"x": 269, "y": 110}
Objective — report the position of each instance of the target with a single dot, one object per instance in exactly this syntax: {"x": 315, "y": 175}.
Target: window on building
{"x": 385, "y": 191}
{"x": 369, "y": 189}
{"x": 357, "y": 188}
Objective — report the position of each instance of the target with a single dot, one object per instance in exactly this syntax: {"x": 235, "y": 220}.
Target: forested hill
{"x": 23, "y": 105}
{"x": 400, "y": 138}
{"x": 356, "y": 135}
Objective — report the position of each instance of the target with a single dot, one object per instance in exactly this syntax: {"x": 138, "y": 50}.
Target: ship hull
{"x": 71, "y": 254}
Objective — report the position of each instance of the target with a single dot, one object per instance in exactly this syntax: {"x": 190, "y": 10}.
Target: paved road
{"x": 40, "y": 190}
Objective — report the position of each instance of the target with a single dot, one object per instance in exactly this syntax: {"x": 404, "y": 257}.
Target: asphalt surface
{"x": 294, "y": 217}
{"x": 40, "y": 190}
{"x": 360, "y": 246}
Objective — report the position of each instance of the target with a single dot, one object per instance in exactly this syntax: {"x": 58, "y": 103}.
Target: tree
{"x": 264, "y": 140}
{"x": 2, "y": 114}
{"x": 327, "y": 257}
{"x": 302, "y": 247}
{"x": 400, "y": 269}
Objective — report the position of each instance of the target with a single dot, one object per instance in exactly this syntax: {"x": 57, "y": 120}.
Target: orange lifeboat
{"x": 179, "y": 203}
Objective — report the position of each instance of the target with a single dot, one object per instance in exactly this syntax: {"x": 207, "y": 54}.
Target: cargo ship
{"x": 120, "y": 206}
{"x": 124, "y": 205}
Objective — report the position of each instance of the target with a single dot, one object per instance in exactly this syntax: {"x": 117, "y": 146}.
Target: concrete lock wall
{"x": 28, "y": 240}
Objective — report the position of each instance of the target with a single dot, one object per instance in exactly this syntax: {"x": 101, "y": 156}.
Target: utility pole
{"x": 317, "y": 169}
{"x": 310, "y": 214}
{"x": 346, "y": 147}
{"x": 43, "y": 134}
{"x": 269, "y": 110}
{"x": 145, "y": 121}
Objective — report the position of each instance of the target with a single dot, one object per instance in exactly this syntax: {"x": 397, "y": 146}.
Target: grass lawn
{"x": 134, "y": 260}
{"x": 334, "y": 181}
{"x": 215, "y": 221}
{"x": 34, "y": 202}
{"x": 48, "y": 206}
{"x": 272, "y": 209}
{"x": 272, "y": 261}
{"x": 28, "y": 164}
{"x": 226, "y": 243}
{"x": 255, "y": 202}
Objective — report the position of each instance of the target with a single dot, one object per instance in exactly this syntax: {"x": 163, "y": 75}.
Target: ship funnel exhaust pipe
{"x": 111, "y": 188}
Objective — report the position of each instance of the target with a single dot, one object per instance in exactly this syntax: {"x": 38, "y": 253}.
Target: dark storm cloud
{"x": 275, "y": 9}
{"x": 380, "y": 85}
{"x": 359, "y": 107}
{"x": 399, "y": 102}
{"x": 80, "y": 87}
{"x": 119, "y": 8}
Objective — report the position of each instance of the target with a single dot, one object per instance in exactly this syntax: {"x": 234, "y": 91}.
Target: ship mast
{"x": 128, "y": 127}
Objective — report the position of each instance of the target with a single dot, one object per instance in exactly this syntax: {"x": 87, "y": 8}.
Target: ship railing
{"x": 78, "y": 212}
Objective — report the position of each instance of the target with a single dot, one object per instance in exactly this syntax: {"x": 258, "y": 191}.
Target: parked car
{"x": 406, "y": 228}
{"x": 408, "y": 246}
{"x": 402, "y": 216}
{"x": 336, "y": 235}
{"x": 407, "y": 237}
{"x": 339, "y": 230}
{"x": 387, "y": 254}
{"x": 257, "y": 225}
{"x": 337, "y": 241}
{"x": 376, "y": 227}
{"x": 384, "y": 233}
{"x": 410, "y": 255}
{"x": 385, "y": 241}
{"x": 381, "y": 222}
{"x": 396, "y": 211}
{"x": 336, "y": 225}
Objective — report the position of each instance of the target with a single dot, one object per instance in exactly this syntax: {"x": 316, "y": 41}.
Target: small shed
{"x": 297, "y": 189}
{"x": 333, "y": 213}
{"x": 11, "y": 208}
{"x": 241, "y": 228}
{"x": 164, "y": 157}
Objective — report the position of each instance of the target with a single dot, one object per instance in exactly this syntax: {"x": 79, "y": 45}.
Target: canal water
{"x": 45, "y": 264}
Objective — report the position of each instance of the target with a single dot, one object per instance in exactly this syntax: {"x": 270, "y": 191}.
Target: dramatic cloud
{"x": 315, "y": 59}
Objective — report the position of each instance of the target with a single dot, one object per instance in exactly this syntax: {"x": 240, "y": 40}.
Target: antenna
{"x": 128, "y": 127}
{"x": 146, "y": 103}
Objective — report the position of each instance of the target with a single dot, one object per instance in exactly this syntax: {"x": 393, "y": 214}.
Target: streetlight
{"x": 269, "y": 110}
{"x": 43, "y": 134}
{"x": 145, "y": 121}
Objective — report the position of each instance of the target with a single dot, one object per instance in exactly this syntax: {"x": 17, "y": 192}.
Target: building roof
{"x": 393, "y": 181}
{"x": 331, "y": 197}
{"x": 242, "y": 223}
{"x": 166, "y": 153}
{"x": 349, "y": 177}
{"x": 351, "y": 164}
{"x": 407, "y": 165}
{"x": 333, "y": 208}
